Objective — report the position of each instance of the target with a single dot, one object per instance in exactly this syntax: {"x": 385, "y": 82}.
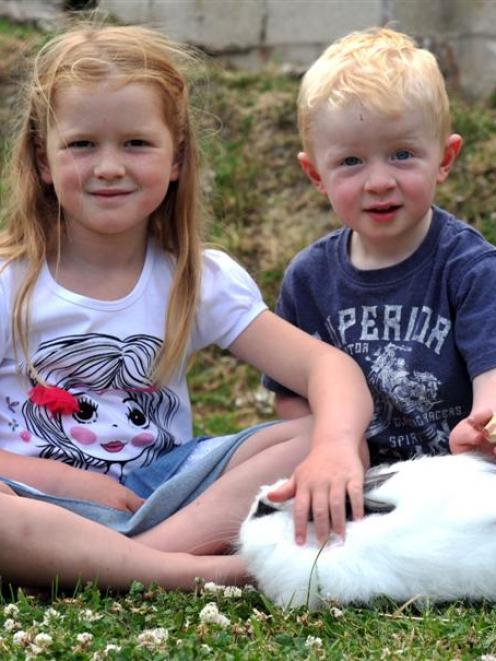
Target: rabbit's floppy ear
{"x": 377, "y": 504}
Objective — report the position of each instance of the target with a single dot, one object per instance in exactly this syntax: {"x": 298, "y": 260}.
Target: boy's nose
{"x": 379, "y": 179}
{"x": 109, "y": 165}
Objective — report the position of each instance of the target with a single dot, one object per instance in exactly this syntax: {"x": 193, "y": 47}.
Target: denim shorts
{"x": 169, "y": 484}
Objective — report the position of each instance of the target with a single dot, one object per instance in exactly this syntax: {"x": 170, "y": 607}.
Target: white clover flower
{"x": 206, "y": 649}
{"x": 11, "y": 610}
{"x": 313, "y": 642}
{"x": 51, "y": 614}
{"x": 152, "y": 638}
{"x": 336, "y": 612}
{"x": 90, "y": 616}
{"x": 21, "y": 638}
{"x": 258, "y": 615}
{"x": 84, "y": 638}
{"x": 103, "y": 654}
{"x": 214, "y": 588}
{"x": 210, "y": 614}
{"x": 43, "y": 640}
{"x": 232, "y": 592}
{"x": 33, "y": 652}
{"x": 112, "y": 648}
{"x": 10, "y": 624}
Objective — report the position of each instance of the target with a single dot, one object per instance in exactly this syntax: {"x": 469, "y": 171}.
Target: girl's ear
{"x": 42, "y": 162}
{"x": 312, "y": 173}
{"x": 451, "y": 150}
{"x": 175, "y": 170}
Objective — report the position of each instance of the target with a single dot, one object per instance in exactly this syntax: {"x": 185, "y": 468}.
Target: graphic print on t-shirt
{"x": 122, "y": 416}
{"x": 405, "y": 398}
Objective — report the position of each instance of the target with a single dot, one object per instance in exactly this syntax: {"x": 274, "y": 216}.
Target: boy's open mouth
{"x": 390, "y": 208}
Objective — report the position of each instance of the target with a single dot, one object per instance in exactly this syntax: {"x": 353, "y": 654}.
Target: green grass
{"x": 262, "y": 211}
{"x": 154, "y": 624}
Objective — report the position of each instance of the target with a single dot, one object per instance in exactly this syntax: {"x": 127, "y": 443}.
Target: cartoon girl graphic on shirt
{"x": 118, "y": 418}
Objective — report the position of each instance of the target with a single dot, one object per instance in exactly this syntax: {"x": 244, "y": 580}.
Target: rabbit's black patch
{"x": 264, "y": 509}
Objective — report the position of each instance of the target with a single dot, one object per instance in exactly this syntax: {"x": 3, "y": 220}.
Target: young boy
{"x": 403, "y": 287}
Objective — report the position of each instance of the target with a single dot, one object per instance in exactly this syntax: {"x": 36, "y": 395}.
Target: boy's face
{"x": 380, "y": 175}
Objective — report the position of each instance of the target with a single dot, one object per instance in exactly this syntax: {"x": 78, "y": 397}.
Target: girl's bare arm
{"x": 58, "y": 479}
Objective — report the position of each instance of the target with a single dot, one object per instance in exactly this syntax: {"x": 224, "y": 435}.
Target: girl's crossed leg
{"x": 41, "y": 541}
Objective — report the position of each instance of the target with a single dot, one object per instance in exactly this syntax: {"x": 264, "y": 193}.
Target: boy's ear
{"x": 42, "y": 162}
{"x": 451, "y": 150}
{"x": 310, "y": 170}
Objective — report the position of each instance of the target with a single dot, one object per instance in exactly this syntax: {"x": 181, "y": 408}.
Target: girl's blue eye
{"x": 80, "y": 144}
{"x": 137, "y": 142}
{"x": 349, "y": 161}
{"x": 402, "y": 155}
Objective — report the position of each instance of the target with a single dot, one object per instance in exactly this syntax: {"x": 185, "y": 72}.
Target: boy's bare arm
{"x": 470, "y": 433}
{"x": 58, "y": 479}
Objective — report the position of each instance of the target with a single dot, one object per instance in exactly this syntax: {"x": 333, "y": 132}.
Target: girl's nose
{"x": 109, "y": 165}
{"x": 379, "y": 179}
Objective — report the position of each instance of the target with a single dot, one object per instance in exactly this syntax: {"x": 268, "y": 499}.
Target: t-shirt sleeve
{"x": 5, "y": 312}
{"x": 475, "y": 321}
{"x": 229, "y": 301}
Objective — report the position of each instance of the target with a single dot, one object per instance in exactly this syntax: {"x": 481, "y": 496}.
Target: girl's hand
{"x": 320, "y": 485}
{"x": 98, "y": 488}
{"x": 469, "y": 434}
{"x": 58, "y": 479}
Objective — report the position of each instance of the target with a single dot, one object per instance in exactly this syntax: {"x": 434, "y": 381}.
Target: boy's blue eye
{"x": 402, "y": 155}
{"x": 350, "y": 161}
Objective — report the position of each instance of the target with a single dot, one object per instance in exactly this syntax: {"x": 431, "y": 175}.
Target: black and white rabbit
{"x": 432, "y": 536}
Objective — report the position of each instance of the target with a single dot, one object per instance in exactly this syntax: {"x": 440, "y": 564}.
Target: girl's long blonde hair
{"x": 83, "y": 55}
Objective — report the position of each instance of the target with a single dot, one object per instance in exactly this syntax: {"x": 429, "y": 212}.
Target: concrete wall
{"x": 462, "y": 33}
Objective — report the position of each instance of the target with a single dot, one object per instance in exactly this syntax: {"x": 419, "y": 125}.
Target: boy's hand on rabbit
{"x": 469, "y": 435}
{"x": 319, "y": 485}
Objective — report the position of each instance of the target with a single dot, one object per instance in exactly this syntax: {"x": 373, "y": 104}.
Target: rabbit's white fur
{"x": 439, "y": 542}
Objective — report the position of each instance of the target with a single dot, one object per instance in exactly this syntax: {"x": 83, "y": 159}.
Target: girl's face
{"x": 116, "y": 429}
{"x": 110, "y": 158}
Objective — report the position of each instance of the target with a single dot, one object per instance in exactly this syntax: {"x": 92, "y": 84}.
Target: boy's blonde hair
{"x": 383, "y": 70}
{"x": 85, "y": 55}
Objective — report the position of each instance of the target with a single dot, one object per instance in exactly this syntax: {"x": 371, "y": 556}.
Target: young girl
{"x": 106, "y": 293}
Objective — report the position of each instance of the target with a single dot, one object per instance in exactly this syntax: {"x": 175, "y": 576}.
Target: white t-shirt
{"x": 101, "y": 352}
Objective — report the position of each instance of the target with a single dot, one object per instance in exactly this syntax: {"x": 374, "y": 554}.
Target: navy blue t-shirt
{"x": 421, "y": 330}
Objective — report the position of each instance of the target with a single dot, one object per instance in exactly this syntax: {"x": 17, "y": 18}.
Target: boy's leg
{"x": 42, "y": 542}
{"x": 210, "y": 524}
